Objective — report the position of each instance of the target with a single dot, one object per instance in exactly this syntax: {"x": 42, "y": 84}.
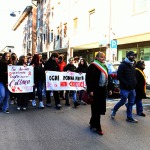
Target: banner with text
{"x": 20, "y": 79}
{"x": 65, "y": 81}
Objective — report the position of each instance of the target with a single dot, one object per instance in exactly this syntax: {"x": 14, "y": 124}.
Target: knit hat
{"x": 130, "y": 53}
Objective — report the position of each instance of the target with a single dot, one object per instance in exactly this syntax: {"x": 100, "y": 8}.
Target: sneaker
{"x": 33, "y": 103}
{"x": 12, "y": 102}
{"x": 58, "y": 106}
{"x": 132, "y": 120}
{"x": 76, "y": 104}
{"x": 113, "y": 113}
{"x": 48, "y": 104}
{"x": 67, "y": 104}
{"x": 51, "y": 94}
{"x": 41, "y": 105}
{"x": 18, "y": 108}
{"x": 6, "y": 111}
{"x": 141, "y": 114}
{"x": 24, "y": 108}
{"x": 82, "y": 102}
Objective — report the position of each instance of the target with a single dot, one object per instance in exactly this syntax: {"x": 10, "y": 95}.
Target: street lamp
{"x": 13, "y": 14}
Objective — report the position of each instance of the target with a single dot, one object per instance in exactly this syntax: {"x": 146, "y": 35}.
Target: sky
{"x": 8, "y": 37}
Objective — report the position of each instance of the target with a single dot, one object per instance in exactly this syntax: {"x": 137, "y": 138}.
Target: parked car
{"x": 112, "y": 71}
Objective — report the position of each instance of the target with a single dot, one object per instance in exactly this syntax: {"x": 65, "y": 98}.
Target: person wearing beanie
{"x": 127, "y": 77}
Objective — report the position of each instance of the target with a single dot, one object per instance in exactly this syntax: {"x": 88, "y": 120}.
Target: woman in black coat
{"x": 4, "y": 92}
{"x": 82, "y": 68}
{"x": 97, "y": 86}
{"x": 140, "y": 87}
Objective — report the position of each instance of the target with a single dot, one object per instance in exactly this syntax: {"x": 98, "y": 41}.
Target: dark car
{"x": 112, "y": 71}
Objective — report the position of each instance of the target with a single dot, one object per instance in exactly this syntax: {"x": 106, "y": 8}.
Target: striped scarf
{"x": 104, "y": 73}
{"x": 144, "y": 78}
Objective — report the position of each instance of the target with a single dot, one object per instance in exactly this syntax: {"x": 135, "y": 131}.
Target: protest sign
{"x": 65, "y": 81}
{"x": 20, "y": 79}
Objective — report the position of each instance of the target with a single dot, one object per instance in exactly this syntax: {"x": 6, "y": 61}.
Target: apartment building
{"x": 74, "y": 26}
{"x": 82, "y": 28}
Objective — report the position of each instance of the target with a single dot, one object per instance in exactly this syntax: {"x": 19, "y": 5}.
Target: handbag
{"x": 87, "y": 98}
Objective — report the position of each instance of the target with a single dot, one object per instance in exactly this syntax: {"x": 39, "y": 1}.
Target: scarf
{"x": 144, "y": 78}
{"x": 128, "y": 61}
{"x": 104, "y": 73}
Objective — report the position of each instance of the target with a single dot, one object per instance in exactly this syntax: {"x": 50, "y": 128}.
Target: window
{"x": 139, "y": 6}
{"x": 52, "y": 12}
{"x": 65, "y": 30}
{"x": 92, "y": 19}
{"x": 51, "y": 36}
{"x": 57, "y": 36}
{"x": 75, "y": 24}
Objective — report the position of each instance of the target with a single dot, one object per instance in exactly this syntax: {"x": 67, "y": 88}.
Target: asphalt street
{"x": 68, "y": 129}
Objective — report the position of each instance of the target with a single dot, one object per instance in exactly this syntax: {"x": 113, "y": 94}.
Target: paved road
{"x": 68, "y": 129}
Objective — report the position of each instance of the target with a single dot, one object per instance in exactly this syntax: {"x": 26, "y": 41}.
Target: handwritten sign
{"x": 65, "y": 81}
{"x": 20, "y": 79}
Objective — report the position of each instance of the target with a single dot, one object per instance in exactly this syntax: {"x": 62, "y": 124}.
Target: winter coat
{"x": 81, "y": 68}
{"x": 100, "y": 93}
{"x": 51, "y": 65}
{"x": 126, "y": 76}
{"x": 70, "y": 67}
{"x": 140, "y": 93}
{"x": 62, "y": 65}
{"x": 39, "y": 74}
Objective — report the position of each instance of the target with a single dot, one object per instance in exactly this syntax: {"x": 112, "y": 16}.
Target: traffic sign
{"x": 113, "y": 44}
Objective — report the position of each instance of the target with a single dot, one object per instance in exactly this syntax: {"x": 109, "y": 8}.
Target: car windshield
{"x": 112, "y": 68}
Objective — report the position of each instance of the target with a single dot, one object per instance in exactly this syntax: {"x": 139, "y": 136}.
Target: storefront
{"x": 142, "y": 51}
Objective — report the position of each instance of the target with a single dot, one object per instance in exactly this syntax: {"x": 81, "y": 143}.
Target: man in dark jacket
{"x": 127, "y": 78}
{"x": 52, "y": 65}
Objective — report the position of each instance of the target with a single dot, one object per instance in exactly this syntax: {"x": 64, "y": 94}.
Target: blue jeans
{"x": 126, "y": 94}
{"x": 73, "y": 95}
{"x": 4, "y": 97}
{"x": 39, "y": 86}
{"x": 139, "y": 107}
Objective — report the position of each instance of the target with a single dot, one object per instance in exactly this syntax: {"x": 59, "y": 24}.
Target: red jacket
{"x": 62, "y": 65}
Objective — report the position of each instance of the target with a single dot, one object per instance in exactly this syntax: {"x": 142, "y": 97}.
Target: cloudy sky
{"x": 7, "y": 36}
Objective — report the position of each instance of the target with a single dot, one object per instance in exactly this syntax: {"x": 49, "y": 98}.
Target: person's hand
{"x": 110, "y": 92}
{"x": 91, "y": 93}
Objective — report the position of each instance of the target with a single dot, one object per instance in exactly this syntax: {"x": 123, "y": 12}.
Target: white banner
{"x": 64, "y": 81}
{"x": 20, "y": 79}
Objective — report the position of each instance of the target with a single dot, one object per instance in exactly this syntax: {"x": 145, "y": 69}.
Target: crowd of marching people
{"x": 54, "y": 63}
{"x": 99, "y": 84}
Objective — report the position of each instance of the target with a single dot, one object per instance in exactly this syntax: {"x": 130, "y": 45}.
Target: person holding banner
{"x": 82, "y": 68}
{"x": 70, "y": 67}
{"x": 4, "y": 92}
{"x": 97, "y": 85}
{"x": 52, "y": 65}
{"x": 61, "y": 64}
{"x": 22, "y": 98}
{"x": 13, "y": 95}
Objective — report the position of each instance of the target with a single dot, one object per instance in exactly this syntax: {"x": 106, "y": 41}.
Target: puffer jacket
{"x": 70, "y": 67}
{"x": 126, "y": 76}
